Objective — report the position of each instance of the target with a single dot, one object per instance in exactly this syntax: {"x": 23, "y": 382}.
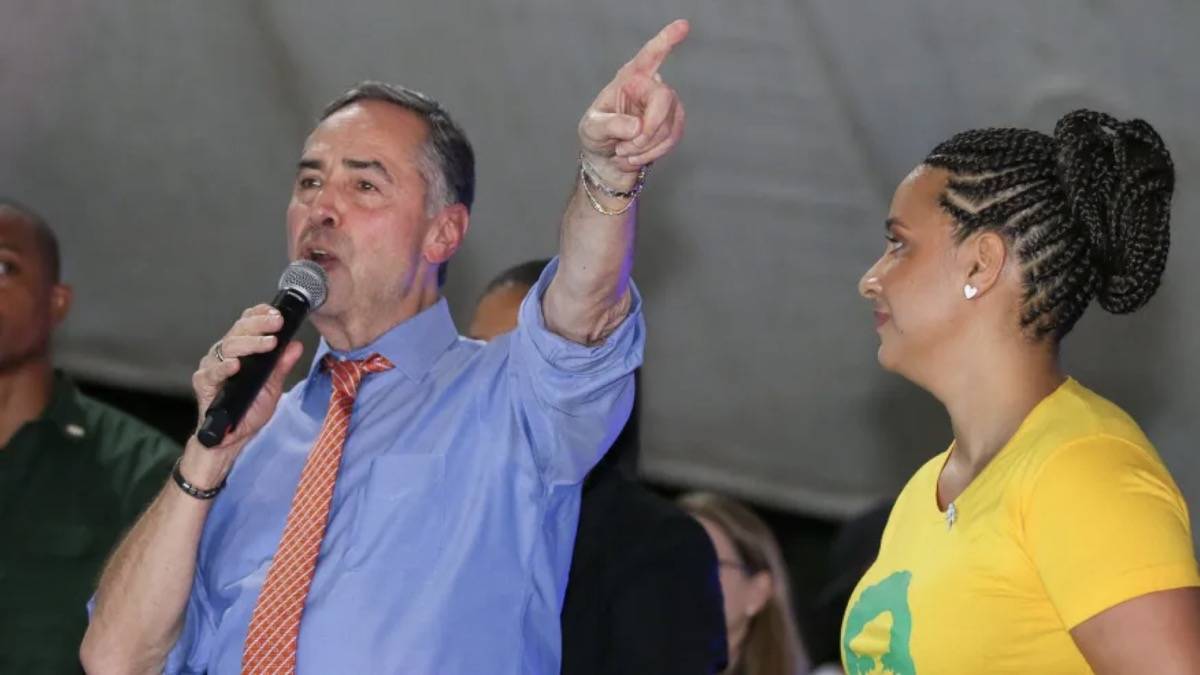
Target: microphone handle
{"x": 239, "y": 391}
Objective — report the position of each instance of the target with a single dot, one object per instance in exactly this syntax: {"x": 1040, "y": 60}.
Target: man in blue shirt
{"x": 453, "y": 513}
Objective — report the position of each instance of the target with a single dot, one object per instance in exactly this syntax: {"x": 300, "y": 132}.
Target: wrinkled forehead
{"x": 368, "y": 130}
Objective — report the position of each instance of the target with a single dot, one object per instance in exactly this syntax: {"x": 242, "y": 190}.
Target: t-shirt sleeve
{"x": 1105, "y": 523}
{"x": 572, "y": 399}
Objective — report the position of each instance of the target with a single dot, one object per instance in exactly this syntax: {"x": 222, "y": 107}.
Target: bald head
{"x": 19, "y": 223}
{"x": 32, "y": 300}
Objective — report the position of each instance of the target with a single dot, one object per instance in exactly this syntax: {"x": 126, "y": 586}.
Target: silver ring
{"x": 217, "y": 352}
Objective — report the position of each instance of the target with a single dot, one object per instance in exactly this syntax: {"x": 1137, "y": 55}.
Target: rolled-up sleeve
{"x": 191, "y": 652}
{"x": 572, "y": 399}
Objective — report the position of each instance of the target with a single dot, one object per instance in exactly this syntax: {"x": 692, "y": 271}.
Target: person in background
{"x": 643, "y": 594}
{"x": 1049, "y": 537}
{"x": 74, "y": 472}
{"x": 760, "y": 624}
{"x": 850, "y": 554}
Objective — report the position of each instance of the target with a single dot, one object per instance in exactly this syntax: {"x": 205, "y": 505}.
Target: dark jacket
{"x": 644, "y": 597}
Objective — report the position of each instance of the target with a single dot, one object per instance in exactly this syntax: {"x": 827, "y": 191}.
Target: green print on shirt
{"x": 887, "y": 596}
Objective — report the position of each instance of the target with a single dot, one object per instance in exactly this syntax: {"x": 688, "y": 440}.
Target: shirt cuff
{"x": 627, "y": 339}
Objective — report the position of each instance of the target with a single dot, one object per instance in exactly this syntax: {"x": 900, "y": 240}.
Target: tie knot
{"x": 347, "y": 374}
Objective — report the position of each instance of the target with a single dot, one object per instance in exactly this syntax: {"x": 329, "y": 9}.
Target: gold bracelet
{"x": 599, "y": 184}
{"x": 583, "y": 177}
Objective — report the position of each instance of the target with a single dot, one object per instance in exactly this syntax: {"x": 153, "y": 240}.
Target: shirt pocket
{"x": 399, "y": 519}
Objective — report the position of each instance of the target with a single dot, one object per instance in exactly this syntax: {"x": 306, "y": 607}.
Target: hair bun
{"x": 1118, "y": 178}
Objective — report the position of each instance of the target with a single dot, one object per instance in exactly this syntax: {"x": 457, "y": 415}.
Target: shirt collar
{"x": 413, "y": 345}
{"x": 64, "y": 411}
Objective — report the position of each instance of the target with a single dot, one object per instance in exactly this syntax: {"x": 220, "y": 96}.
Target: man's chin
{"x": 17, "y": 358}
{"x": 333, "y": 307}
{"x": 327, "y": 310}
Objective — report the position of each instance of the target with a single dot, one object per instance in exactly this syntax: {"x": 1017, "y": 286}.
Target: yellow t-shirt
{"x": 1074, "y": 515}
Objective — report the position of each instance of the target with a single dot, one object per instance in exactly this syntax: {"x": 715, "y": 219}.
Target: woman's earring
{"x": 970, "y": 291}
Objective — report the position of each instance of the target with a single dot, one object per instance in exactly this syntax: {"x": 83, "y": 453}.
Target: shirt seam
{"x": 1054, "y": 454}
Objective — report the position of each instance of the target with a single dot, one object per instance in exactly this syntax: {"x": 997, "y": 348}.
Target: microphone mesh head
{"x": 306, "y": 278}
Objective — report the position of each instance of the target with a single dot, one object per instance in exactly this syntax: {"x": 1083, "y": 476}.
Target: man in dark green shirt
{"x": 74, "y": 473}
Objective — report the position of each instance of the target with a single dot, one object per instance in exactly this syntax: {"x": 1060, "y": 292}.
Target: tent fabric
{"x": 160, "y": 140}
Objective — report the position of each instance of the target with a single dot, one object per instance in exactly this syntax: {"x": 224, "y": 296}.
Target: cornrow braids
{"x": 1086, "y": 211}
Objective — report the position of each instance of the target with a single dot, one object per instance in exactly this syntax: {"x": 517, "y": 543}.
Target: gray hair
{"x": 447, "y": 161}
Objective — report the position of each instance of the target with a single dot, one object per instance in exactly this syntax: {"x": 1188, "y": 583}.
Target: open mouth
{"x": 321, "y": 256}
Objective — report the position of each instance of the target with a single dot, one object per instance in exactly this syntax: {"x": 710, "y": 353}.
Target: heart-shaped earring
{"x": 970, "y": 291}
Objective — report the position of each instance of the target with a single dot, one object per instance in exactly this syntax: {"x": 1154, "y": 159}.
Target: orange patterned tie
{"x": 274, "y": 627}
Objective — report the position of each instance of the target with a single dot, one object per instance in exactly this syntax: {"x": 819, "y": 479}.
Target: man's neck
{"x": 25, "y": 391}
{"x": 354, "y": 330}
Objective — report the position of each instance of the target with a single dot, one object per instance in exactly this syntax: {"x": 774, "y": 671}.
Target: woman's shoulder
{"x": 1076, "y": 412}
{"x": 1089, "y": 445}
{"x": 1076, "y": 420}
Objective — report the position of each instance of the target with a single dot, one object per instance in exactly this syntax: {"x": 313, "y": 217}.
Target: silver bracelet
{"x": 590, "y": 172}
{"x": 596, "y": 205}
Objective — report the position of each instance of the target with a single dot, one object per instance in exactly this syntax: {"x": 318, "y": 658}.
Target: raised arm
{"x": 635, "y": 120}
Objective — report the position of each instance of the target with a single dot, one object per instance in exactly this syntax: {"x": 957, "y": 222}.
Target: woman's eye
{"x": 366, "y": 185}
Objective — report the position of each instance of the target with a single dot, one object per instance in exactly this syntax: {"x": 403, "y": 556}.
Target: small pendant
{"x": 951, "y": 515}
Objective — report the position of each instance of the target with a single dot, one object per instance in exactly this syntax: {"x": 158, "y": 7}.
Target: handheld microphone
{"x": 302, "y": 288}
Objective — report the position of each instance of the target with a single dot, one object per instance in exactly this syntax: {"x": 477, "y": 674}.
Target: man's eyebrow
{"x": 368, "y": 164}
{"x": 350, "y": 163}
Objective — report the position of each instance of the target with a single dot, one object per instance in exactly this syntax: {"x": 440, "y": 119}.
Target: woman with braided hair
{"x": 1049, "y": 537}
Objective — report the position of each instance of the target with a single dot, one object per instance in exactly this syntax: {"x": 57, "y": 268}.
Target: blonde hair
{"x": 772, "y": 643}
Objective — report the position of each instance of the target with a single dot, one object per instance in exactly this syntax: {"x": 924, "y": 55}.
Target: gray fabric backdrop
{"x": 159, "y": 138}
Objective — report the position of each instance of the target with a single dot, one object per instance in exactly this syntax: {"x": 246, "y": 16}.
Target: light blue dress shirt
{"x": 453, "y": 518}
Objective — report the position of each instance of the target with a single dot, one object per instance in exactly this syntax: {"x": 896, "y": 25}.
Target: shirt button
{"x": 74, "y": 431}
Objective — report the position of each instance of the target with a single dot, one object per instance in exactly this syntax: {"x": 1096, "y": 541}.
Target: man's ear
{"x": 446, "y": 234}
{"x": 61, "y": 296}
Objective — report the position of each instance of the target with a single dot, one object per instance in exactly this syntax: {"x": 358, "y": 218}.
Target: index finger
{"x": 653, "y": 53}
{"x": 260, "y": 308}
